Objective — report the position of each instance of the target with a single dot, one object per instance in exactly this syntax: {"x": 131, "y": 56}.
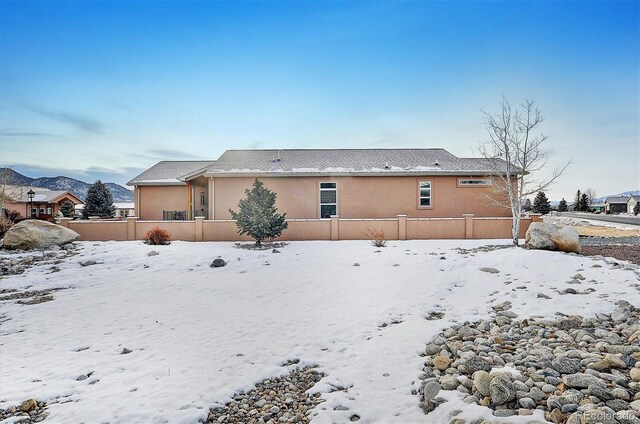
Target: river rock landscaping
{"x": 275, "y": 400}
{"x": 573, "y": 369}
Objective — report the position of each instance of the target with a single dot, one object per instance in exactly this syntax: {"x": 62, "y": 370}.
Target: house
{"x": 124, "y": 209}
{"x": 616, "y": 204}
{"x": 632, "y": 202}
{"x": 46, "y": 203}
{"x": 320, "y": 183}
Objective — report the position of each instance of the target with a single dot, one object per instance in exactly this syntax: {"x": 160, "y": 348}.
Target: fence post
{"x": 468, "y": 225}
{"x": 131, "y": 227}
{"x": 64, "y": 222}
{"x": 199, "y": 221}
{"x": 402, "y": 227}
{"x": 335, "y": 230}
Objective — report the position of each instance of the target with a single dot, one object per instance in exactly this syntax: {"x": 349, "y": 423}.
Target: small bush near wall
{"x": 156, "y": 236}
{"x": 5, "y": 224}
{"x": 377, "y": 238}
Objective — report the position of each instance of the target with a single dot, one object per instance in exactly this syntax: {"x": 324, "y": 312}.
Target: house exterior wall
{"x": 150, "y": 201}
{"x": 362, "y": 197}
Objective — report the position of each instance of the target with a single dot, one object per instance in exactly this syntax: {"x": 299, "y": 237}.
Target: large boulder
{"x": 37, "y": 234}
{"x": 552, "y": 237}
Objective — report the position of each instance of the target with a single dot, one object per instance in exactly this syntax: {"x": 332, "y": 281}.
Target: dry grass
{"x": 157, "y": 236}
{"x": 598, "y": 231}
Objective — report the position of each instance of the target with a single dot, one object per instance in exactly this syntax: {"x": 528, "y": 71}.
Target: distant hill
{"x": 77, "y": 187}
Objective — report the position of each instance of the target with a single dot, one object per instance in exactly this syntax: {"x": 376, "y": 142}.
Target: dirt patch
{"x": 629, "y": 253}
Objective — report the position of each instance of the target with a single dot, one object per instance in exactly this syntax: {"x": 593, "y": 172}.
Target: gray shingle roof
{"x": 40, "y": 196}
{"x": 168, "y": 172}
{"x": 345, "y": 161}
{"x": 317, "y": 162}
{"x": 617, "y": 199}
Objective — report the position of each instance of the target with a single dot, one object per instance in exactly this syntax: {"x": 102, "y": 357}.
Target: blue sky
{"x": 106, "y": 89}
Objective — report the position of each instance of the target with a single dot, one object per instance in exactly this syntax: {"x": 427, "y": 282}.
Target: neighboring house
{"x": 616, "y": 204}
{"x": 631, "y": 203}
{"x": 319, "y": 183}
{"x": 46, "y": 203}
{"x": 598, "y": 207}
{"x": 124, "y": 209}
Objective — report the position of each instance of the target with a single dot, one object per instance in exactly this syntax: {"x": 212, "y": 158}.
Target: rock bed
{"x": 16, "y": 263}
{"x": 30, "y": 411}
{"x": 275, "y": 400}
{"x": 577, "y": 370}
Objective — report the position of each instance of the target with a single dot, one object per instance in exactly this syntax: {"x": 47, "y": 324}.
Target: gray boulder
{"x": 552, "y": 237}
{"x": 37, "y": 234}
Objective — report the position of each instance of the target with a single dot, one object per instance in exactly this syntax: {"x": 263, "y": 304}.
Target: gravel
{"x": 275, "y": 400}
{"x": 573, "y": 368}
{"x": 622, "y": 248}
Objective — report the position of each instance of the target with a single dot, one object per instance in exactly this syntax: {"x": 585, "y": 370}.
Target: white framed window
{"x": 49, "y": 211}
{"x": 424, "y": 194}
{"x": 474, "y": 182}
{"x": 328, "y": 199}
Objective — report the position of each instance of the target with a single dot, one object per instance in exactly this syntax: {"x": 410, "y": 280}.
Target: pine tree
{"x": 99, "y": 201}
{"x": 636, "y": 208}
{"x": 68, "y": 209}
{"x": 541, "y": 203}
{"x": 576, "y": 202}
{"x": 258, "y": 215}
{"x": 562, "y": 206}
{"x": 527, "y": 205}
{"x": 584, "y": 202}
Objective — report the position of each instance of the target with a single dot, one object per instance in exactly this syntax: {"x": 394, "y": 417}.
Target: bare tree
{"x": 8, "y": 188}
{"x": 591, "y": 197}
{"x": 514, "y": 152}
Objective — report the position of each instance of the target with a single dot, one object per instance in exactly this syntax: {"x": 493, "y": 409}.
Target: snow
{"x": 198, "y": 335}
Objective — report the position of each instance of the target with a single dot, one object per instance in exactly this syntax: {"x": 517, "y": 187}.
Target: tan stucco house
{"x": 318, "y": 183}
{"x": 46, "y": 203}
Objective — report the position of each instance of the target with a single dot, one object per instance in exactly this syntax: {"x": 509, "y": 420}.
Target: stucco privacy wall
{"x": 362, "y": 197}
{"x": 399, "y": 228}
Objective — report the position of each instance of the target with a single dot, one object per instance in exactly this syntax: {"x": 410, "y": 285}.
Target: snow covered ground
{"x": 198, "y": 334}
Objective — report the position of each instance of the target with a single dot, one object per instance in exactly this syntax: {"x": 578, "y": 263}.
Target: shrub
{"x": 377, "y": 238}
{"x": 15, "y": 217}
{"x": 636, "y": 209}
{"x": 5, "y": 224}
{"x": 258, "y": 215}
{"x": 157, "y": 236}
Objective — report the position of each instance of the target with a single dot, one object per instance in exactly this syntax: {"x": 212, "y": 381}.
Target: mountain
{"x": 77, "y": 187}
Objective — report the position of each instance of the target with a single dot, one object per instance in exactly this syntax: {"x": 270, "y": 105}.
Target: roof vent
{"x": 436, "y": 163}
{"x": 386, "y": 165}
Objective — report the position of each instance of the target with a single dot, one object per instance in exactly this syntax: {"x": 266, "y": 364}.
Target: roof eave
{"x": 346, "y": 174}
{"x": 156, "y": 183}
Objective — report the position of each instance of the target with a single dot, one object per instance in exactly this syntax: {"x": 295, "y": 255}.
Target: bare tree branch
{"x": 514, "y": 151}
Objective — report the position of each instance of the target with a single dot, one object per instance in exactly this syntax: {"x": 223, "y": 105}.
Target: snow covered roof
{"x": 168, "y": 172}
{"x": 617, "y": 199}
{"x": 344, "y": 162}
{"x": 309, "y": 162}
{"x": 42, "y": 196}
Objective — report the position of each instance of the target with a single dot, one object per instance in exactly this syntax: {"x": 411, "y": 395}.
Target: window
{"x": 424, "y": 195}
{"x": 474, "y": 182}
{"x": 328, "y": 199}
{"x": 203, "y": 199}
{"x": 49, "y": 211}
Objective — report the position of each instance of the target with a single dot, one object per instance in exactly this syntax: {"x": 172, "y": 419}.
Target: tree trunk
{"x": 515, "y": 229}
